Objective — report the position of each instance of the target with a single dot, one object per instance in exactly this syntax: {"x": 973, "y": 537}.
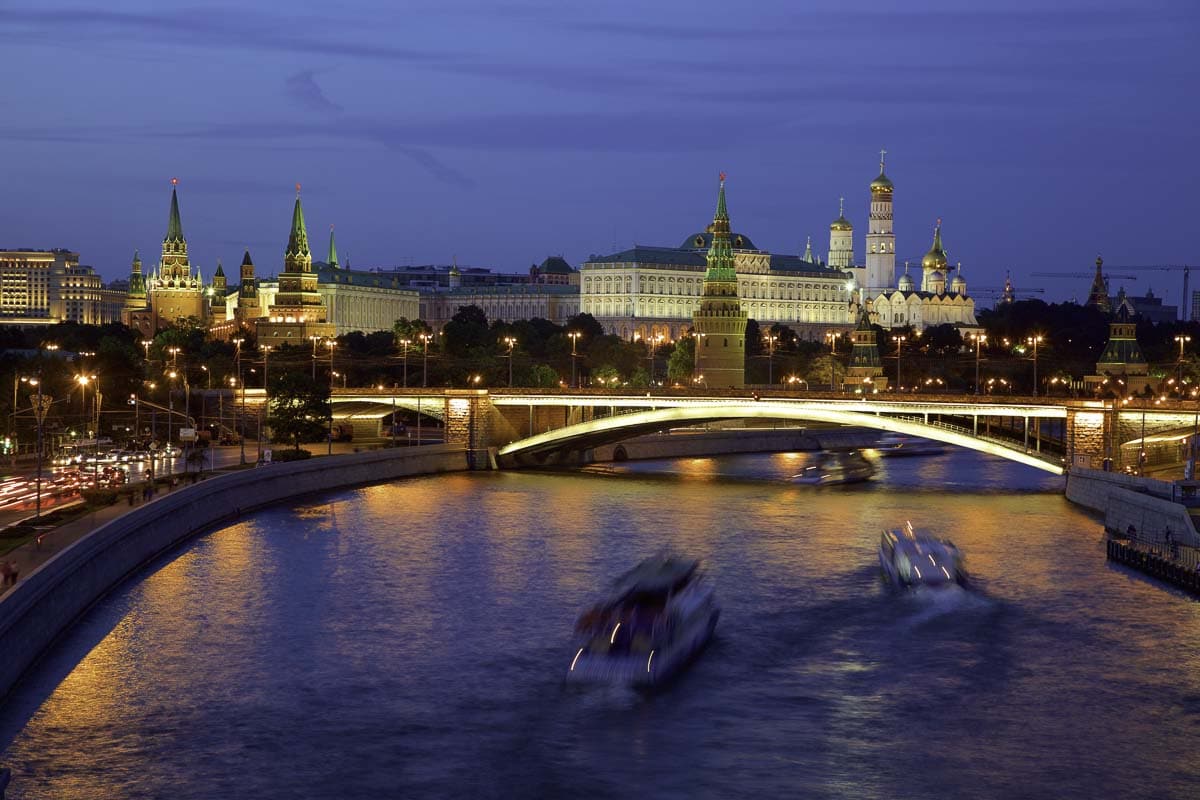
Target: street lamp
{"x": 512, "y": 342}
{"x": 174, "y": 351}
{"x": 172, "y": 375}
{"x": 1181, "y": 339}
{"x": 833, "y": 336}
{"x": 314, "y": 339}
{"x": 266, "y": 351}
{"x": 405, "y": 343}
{"x": 900, "y": 340}
{"x": 574, "y": 340}
{"x": 146, "y": 346}
{"x": 331, "y": 344}
{"x": 237, "y": 358}
{"x": 770, "y": 339}
{"x": 979, "y": 338}
{"x": 425, "y": 337}
{"x": 1035, "y": 341}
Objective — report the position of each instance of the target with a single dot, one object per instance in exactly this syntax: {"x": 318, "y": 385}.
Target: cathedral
{"x": 895, "y": 303}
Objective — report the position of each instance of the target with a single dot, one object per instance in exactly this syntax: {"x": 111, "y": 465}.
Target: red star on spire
{"x": 174, "y": 181}
{"x": 722, "y": 177}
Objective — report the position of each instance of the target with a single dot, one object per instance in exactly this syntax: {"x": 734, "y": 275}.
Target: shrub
{"x": 278, "y": 456}
{"x": 97, "y": 498}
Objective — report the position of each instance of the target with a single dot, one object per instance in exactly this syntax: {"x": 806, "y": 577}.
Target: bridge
{"x": 528, "y": 427}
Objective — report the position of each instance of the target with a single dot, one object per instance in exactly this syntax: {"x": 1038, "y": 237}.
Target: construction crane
{"x": 1183, "y": 303}
{"x": 1107, "y": 275}
{"x": 997, "y": 294}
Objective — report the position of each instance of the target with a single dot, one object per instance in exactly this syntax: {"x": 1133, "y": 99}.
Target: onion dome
{"x": 905, "y": 284}
{"x": 936, "y": 257}
{"x": 958, "y": 285}
{"x": 841, "y": 223}
{"x": 704, "y": 239}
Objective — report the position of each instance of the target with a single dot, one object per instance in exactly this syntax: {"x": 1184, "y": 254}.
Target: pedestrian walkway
{"x": 54, "y": 540}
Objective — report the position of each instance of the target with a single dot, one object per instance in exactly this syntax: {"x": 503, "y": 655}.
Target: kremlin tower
{"x": 720, "y": 324}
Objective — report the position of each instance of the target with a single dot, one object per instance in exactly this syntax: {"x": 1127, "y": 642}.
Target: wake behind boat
{"x": 832, "y": 468}
{"x": 656, "y": 618}
{"x": 912, "y": 557}
{"x": 895, "y": 445}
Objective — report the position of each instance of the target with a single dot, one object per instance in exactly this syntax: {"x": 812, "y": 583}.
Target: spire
{"x": 937, "y": 235}
{"x": 137, "y": 263}
{"x": 720, "y": 254}
{"x": 220, "y": 273}
{"x": 246, "y": 262}
{"x": 332, "y": 260}
{"x": 174, "y": 225}
{"x": 808, "y": 253}
{"x": 298, "y": 238}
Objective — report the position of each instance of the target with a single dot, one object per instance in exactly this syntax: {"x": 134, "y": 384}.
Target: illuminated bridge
{"x": 527, "y": 427}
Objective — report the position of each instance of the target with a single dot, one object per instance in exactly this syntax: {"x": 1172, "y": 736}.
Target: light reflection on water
{"x": 410, "y": 639}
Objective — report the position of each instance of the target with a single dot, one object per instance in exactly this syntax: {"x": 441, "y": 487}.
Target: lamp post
{"x": 1035, "y": 341}
{"x": 174, "y": 351}
{"x": 405, "y": 343}
{"x": 13, "y": 423}
{"x": 979, "y": 338}
{"x": 1181, "y": 340}
{"x": 314, "y": 338}
{"x": 266, "y": 351}
{"x": 900, "y": 340}
{"x": 574, "y": 340}
{"x": 237, "y": 358}
{"x": 425, "y": 337}
{"x": 332, "y": 345}
{"x": 770, "y": 339}
{"x": 833, "y": 336}
{"x": 172, "y": 375}
{"x": 511, "y": 341}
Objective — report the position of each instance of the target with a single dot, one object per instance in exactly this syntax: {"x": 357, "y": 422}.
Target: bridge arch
{"x": 606, "y": 430}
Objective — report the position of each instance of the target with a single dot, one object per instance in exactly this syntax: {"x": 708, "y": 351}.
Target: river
{"x": 410, "y": 640}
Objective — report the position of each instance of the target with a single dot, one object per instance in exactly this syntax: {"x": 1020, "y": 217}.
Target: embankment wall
{"x": 45, "y": 604}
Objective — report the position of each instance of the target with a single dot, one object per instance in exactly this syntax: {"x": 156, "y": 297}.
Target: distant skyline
{"x": 501, "y": 133}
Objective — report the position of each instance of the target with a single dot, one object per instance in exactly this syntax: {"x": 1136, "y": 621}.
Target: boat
{"x": 832, "y": 468}
{"x": 893, "y": 445}
{"x": 913, "y": 557}
{"x": 656, "y": 618}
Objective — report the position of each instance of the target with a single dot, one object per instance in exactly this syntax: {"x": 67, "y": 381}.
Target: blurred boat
{"x": 893, "y": 445}
{"x": 656, "y": 618}
{"x": 832, "y": 468}
{"x": 912, "y": 557}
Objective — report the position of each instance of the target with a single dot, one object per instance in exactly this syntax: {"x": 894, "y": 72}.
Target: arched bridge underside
{"x": 608, "y": 430}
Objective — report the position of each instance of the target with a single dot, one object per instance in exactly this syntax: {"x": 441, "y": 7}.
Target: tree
{"x": 587, "y": 325}
{"x": 682, "y": 362}
{"x": 299, "y": 410}
{"x": 606, "y": 375}
{"x": 405, "y": 328}
{"x": 543, "y": 376}
{"x": 467, "y": 331}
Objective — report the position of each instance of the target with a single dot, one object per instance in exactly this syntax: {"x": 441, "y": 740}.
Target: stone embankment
{"x": 1142, "y": 509}
{"x": 44, "y": 604}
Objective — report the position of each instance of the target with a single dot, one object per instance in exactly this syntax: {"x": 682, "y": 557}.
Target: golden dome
{"x": 882, "y": 184}
{"x": 936, "y": 257}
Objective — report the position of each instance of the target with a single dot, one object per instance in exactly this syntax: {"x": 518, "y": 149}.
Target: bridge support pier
{"x": 469, "y": 423}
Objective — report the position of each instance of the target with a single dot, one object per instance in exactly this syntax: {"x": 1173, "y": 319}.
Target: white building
{"x": 650, "y": 291}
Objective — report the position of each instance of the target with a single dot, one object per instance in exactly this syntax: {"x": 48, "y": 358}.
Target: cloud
{"x": 302, "y": 88}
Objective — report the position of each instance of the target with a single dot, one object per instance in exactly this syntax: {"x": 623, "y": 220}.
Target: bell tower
{"x": 881, "y": 240}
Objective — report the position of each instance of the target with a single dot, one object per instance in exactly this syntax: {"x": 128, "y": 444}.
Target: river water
{"x": 409, "y": 640}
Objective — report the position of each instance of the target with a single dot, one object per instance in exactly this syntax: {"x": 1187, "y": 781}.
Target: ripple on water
{"x": 410, "y": 640}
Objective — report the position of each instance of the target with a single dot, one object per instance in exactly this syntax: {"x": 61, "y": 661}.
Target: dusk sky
{"x": 500, "y": 133}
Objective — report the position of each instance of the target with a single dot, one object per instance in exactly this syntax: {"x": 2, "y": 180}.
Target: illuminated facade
{"x": 654, "y": 291}
{"x": 43, "y": 287}
{"x": 940, "y": 301}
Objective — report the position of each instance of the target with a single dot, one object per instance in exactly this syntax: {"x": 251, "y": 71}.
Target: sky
{"x": 498, "y": 133}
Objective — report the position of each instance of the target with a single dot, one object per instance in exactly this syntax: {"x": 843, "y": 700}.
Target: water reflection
{"x": 409, "y": 639}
